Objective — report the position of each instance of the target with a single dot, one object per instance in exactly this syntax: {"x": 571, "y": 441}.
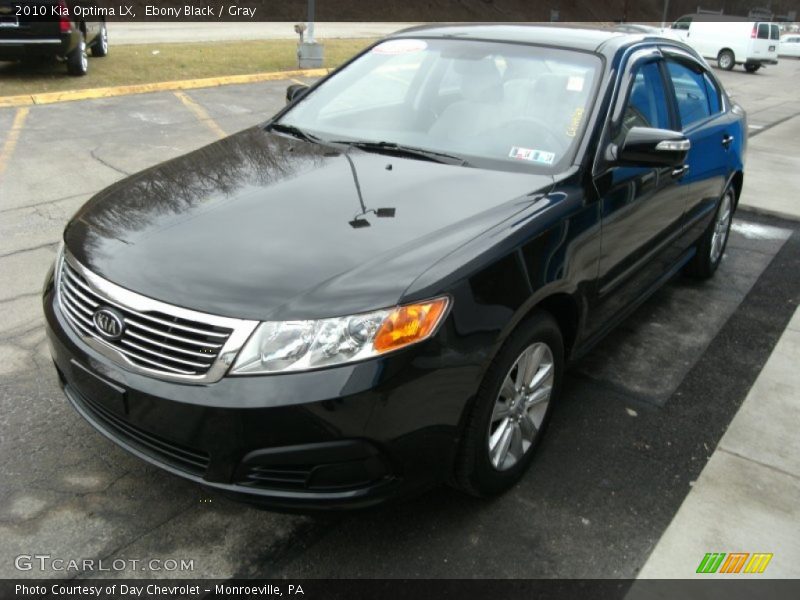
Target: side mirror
{"x": 295, "y": 92}
{"x": 647, "y": 147}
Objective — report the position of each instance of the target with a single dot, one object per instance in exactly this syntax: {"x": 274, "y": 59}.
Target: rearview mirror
{"x": 295, "y": 92}
{"x": 647, "y": 147}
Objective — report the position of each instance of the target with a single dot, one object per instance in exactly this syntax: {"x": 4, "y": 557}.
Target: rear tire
{"x": 726, "y": 60}
{"x": 77, "y": 61}
{"x": 711, "y": 247}
{"x": 752, "y": 68}
{"x": 100, "y": 45}
{"x": 513, "y": 405}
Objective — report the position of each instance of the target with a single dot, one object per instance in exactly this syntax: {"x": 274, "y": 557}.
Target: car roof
{"x": 577, "y": 38}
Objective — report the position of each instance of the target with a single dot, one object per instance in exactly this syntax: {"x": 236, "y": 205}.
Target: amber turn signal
{"x": 409, "y": 324}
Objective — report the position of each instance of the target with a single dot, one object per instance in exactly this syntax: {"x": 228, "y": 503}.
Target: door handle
{"x": 678, "y": 172}
{"x": 727, "y": 140}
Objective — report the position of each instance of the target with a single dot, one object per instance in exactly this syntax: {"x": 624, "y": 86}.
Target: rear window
{"x": 763, "y": 31}
{"x": 775, "y": 32}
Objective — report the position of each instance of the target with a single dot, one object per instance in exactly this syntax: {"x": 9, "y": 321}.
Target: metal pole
{"x": 311, "y": 4}
{"x": 664, "y": 16}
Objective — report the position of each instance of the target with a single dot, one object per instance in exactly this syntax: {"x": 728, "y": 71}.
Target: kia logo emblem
{"x": 109, "y": 323}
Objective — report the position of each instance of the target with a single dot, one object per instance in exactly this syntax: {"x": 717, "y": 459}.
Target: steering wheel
{"x": 428, "y": 115}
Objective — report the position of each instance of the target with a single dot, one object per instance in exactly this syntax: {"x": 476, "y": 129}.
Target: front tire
{"x": 512, "y": 408}
{"x": 712, "y": 245}
{"x": 77, "y": 61}
{"x": 726, "y": 60}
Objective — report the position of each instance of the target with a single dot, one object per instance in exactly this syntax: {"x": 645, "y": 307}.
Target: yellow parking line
{"x": 9, "y": 101}
{"x": 162, "y": 86}
{"x": 13, "y": 137}
{"x": 201, "y": 114}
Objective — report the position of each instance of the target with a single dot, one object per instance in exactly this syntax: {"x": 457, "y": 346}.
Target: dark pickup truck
{"x": 53, "y": 28}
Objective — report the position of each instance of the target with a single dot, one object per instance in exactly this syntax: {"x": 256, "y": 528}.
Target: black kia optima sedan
{"x": 380, "y": 288}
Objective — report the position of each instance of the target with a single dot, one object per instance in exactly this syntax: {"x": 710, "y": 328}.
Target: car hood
{"x": 262, "y": 226}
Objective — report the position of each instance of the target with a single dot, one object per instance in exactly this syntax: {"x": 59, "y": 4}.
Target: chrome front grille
{"x": 157, "y": 338}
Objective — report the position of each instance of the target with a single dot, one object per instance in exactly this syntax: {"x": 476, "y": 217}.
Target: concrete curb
{"x": 146, "y": 88}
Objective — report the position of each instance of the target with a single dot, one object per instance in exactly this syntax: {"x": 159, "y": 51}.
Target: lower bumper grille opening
{"x": 330, "y": 477}
{"x": 176, "y": 455}
{"x": 290, "y": 478}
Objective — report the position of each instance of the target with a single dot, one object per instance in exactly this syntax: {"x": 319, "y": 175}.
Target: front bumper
{"x": 336, "y": 438}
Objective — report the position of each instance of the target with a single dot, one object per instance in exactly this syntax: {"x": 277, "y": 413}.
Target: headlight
{"x": 277, "y": 347}
{"x": 55, "y": 268}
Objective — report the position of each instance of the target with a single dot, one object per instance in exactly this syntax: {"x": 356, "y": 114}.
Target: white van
{"x": 734, "y": 41}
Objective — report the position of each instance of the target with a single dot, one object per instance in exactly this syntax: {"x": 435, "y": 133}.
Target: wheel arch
{"x": 565, "y": 310}
{"x": 564, "y": 306}
{"x": 737, "y": 181}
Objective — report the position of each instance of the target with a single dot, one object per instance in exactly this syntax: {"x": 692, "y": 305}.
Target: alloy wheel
{"x": 721, "y": 228}
{"x": 521, "y": 406}
{"x": 84, "y": 57}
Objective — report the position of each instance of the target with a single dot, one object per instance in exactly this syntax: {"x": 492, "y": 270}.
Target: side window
{"x": 691, "y": 94}
{"x": 646, "y": 105}
{"x": 682, "y": 23}
{"x": 714, "y": 99}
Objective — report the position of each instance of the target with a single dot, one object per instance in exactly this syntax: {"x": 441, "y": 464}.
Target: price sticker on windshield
{"x": 400, "y": 47}
{"x": 532, "y": 155}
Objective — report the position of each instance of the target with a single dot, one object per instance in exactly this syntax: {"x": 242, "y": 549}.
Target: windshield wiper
{"x": 401, "y": 149}
{"x": 295, "y": 132}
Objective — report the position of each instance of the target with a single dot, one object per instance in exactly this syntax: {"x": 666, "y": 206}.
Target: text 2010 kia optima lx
{"x": 379, "y": 289}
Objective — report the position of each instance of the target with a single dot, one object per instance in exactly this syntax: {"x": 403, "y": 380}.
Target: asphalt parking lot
{"x": 639, "y": 418}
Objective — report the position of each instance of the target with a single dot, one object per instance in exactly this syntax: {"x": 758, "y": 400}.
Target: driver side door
{"x": 642, "y": 208}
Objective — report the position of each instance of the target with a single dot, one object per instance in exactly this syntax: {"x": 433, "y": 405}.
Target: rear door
{"x": 765, "y": 42}
{"x": 705, "y": 120}
{"x": 775, "y": 40}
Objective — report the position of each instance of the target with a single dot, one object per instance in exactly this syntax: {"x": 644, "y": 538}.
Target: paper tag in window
{"x": 400, "y": 47}
{"x": 575, "y": 84}
{"x": 532, "y": 155}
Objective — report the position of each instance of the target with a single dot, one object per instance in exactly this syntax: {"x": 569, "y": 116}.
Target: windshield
{"x": 491, "y": 104}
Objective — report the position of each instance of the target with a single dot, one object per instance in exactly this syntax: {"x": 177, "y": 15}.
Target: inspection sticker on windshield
{"x": 575, "y": 84}
{"x": 400, "y": 47}
{"x": 537, "y": 156}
